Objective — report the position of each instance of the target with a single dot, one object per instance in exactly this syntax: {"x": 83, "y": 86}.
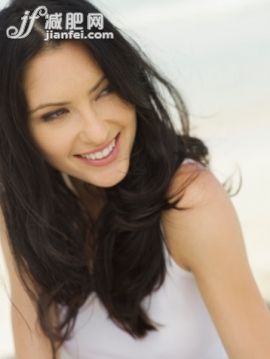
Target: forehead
{"x": 55, "y": 70}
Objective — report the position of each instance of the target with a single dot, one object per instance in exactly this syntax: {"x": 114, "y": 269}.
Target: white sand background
{"x": 217, "y": 53}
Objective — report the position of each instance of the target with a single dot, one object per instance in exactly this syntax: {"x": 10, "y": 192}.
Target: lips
{"x": 103, "y": 161}
{"x": 98, "y": 149}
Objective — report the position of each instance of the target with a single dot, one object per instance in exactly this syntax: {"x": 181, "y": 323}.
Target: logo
{"x": 54, "y": 26}
{"x": 12, "y": 31}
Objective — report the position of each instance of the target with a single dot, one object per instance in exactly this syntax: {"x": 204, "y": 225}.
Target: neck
{"x": 92, "y": 198}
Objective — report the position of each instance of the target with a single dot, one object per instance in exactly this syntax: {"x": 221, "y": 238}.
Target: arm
{"x": 30, "y": 342}
{"x": 207, "y": 239}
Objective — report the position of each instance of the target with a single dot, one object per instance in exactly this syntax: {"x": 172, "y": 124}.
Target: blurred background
{"x": 217, "y": 53}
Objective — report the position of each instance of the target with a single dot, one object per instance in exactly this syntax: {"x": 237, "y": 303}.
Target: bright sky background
{"x": 217, "y": 53}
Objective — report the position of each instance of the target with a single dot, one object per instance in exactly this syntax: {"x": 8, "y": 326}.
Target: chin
{"x": 110, "y": 180}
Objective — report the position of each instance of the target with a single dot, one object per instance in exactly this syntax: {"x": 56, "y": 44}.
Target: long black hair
{"x": 61, "y": 253}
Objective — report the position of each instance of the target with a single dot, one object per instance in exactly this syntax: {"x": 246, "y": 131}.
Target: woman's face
{"x": 73, "y": 112}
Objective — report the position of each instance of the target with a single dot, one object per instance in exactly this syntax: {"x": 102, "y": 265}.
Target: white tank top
{"x": 187, "y": 330}
{"x": 187, "y": 333}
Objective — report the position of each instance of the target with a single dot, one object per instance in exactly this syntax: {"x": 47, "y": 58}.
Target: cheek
{"x": 133, "y": 119}
{"x": 52, "y": 143}
{"x": 128, "y": 115}
{"x": 122, "y": 110}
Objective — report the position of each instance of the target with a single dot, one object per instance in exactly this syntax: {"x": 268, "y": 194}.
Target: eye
{"x": 53, "y": 115}
{"x": 106, "y": 91}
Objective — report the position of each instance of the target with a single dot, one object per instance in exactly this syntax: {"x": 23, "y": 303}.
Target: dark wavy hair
{"x": 63, "y": 254}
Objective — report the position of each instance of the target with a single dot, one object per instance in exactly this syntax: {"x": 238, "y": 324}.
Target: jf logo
{"x": 14, "y": 33}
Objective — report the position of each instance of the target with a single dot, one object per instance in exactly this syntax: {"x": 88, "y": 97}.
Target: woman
{"x": 120, "y": 242}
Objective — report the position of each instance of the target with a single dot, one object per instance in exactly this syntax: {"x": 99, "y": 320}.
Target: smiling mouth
{"x": 104, "y": 156}
{"x": 102, "y": 153}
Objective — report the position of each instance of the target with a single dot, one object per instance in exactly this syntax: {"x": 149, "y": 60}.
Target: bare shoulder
{"x": 207, "y": 239}
{"x": 199, "y": 183}
{"x": 192, "y": 233}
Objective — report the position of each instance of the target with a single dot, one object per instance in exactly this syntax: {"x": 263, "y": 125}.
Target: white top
{"x": 187, "y": 332}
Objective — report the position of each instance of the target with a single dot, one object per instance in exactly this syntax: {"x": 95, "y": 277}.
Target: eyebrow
{"x": 66, "y": 103}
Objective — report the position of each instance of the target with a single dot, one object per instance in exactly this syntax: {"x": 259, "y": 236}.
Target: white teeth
{"x": 101, "y": 154}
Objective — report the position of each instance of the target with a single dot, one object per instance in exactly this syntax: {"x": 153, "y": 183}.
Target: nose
{"x": 94, "y": 128}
